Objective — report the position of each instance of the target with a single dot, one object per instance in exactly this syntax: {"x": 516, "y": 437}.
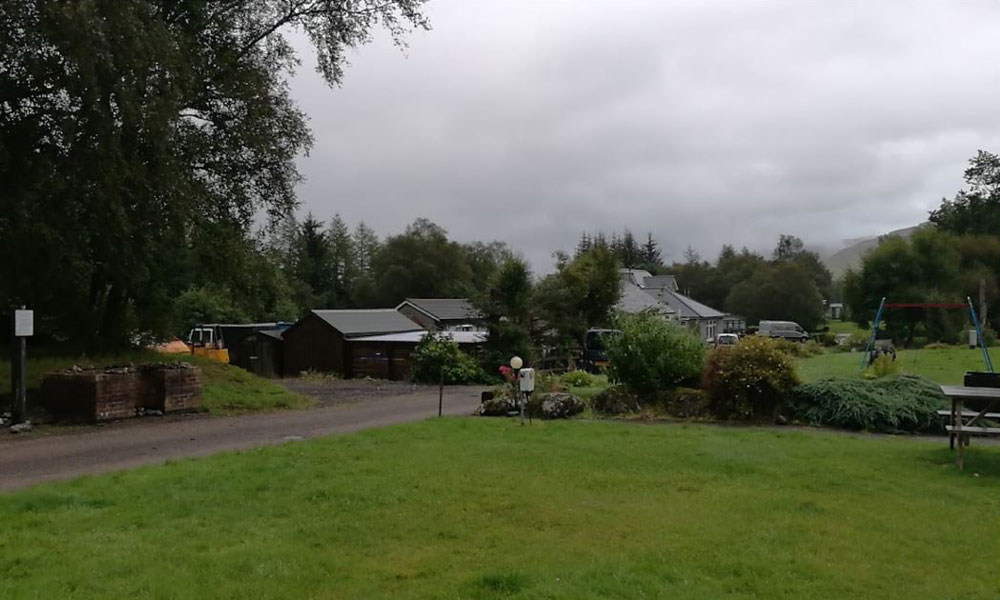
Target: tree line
{"x": 953, "y": 257}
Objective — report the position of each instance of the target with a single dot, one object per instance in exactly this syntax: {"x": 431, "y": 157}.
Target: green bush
{"x": 616, "y": 400}
{"x": 888, "y": 405}
{"x": 883, "y": 366}
{"x": 799, "y": 349}
{"x": 652, "y": 354}
{"x": 436, "y": 354}
{"x": 685, "y": 403}
{"x": 749, "y": 380}
{"x": 828, "y": 339}
{"x": 577, "y": 379}
{"x": 547, "y": 382}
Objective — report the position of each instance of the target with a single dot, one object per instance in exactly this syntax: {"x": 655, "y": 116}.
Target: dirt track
{"x": 128, "y": 444}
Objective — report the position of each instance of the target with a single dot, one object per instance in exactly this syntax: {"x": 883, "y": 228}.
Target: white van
{"x": 788, "y": 330}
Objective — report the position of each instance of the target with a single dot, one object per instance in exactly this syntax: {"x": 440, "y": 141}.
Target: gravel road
{"x": 342, "y": 407}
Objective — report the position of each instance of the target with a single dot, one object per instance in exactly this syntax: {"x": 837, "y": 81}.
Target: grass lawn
{"x": 846, "y": 327}
{"x": 484, "y": 508}
{"x": 944, "y": 366}
{"x": 600, "y": 384}
{"x": 225, "y": 389}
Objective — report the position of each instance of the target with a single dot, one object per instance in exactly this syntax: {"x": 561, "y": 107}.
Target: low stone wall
{"x": 92, "y": 395}
{"x": 172, "y": 389}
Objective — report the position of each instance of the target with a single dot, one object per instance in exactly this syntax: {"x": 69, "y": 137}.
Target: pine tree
{"x": 342, "y": 266}
{"x": 584, "y": 244}
{"x": 651, "y": 252}
{"x": 630, "y": 252}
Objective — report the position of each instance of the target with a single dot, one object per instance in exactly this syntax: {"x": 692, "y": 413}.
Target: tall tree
{"x": 976, "y": 209}
{"x": 127, "y": 127}
{"x": 780, "y": 291}
{"x": 651, "y": 258}
{"x": 342, "y": 265}
{"x": 422, "y": 263}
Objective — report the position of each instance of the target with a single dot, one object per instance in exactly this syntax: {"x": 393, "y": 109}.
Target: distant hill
{"x": 851, "y": 256}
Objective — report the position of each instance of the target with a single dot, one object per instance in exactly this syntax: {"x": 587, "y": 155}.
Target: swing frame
{"x": 882, "y": 306}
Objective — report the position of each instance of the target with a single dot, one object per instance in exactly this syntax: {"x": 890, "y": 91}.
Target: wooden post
{"x": 441, "y": 393}
{"x": 18, "y": 363}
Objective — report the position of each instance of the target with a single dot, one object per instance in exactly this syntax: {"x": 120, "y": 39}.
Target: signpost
{"x": 24, "y": 327}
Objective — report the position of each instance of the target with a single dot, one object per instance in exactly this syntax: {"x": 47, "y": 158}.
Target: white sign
{"x": 527, "y": 382}
{"x": 24, "y": 323}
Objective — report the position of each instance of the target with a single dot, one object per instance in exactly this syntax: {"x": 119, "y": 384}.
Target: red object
{"x": 926, "y": 305}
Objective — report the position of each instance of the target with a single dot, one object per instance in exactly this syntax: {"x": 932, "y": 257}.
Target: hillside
{"x": 839, "y": 261}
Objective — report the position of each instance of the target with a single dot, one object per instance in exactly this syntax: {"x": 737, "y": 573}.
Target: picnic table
{"x": 964, "y": 423}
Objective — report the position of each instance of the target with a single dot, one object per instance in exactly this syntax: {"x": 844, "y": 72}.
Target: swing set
{"x": 883, "y": 306}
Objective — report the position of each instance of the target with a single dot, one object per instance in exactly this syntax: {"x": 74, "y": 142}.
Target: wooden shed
{"x": 333, "y": 341}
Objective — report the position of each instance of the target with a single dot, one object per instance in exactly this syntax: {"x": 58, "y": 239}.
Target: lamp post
{"x": 516, "y": 363}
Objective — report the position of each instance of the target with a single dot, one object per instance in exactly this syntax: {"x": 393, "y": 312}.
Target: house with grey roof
{"x": 339, "y": 341}
{"x": 664, "y": 292}
{"x": 443, "y": 314}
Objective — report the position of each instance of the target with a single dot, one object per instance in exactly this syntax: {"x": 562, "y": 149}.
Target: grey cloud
{"x": 705, "y": 123}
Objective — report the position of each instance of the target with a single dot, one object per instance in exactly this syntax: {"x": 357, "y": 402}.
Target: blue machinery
{"x": 972, "y": 313}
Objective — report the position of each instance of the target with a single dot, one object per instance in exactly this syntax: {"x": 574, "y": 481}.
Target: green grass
{"x": 225, "y": 389}
{"x": 944, "y": 366}
{"x": 846, "y": 327}
{"x": 585, "y": 392}
{"x": 484, "y": 508}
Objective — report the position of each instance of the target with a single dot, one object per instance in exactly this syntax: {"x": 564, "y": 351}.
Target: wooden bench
{"x": 963, "y": 423}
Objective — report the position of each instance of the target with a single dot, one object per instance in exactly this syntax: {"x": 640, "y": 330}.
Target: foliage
{"x": 751, "y": 379}
{"x": 977, "y": 209}
{"x": 615, "y": 400}
{"x": 889, "y": 405}
{"x": 580, "y": 295}
{"x": 505, "y": 306}
{"x": 781, "y": 291}
{"x": 686, "y": 403}
{"x": 208, "y": 305}
{"x": 653, "y": 354}
{"x": 437, "y": 356}
{"x": 421, "y": 263}
{"x": 799, "y": 349}
{"x": 140, "y": 141}
{"x": 883, "y": 366}
{"x": 548, "y": 383}
{"x": 577, "y": 378}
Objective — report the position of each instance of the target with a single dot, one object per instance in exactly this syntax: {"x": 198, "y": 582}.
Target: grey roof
{"x": 635, "y": 300}
{"x": 687, "y": 308}
{"x": 373, "y": 321}
{"x": 658, "y": 282}
{"x": 636, "y": 276}
{"x": 446, "y": 309}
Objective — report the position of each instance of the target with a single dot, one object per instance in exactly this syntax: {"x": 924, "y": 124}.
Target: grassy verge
{"x": 944, "y": 366}
{"x": 586, "y": 392}
{"x": 225, "y": 389}
{"x": 484, "y": 508}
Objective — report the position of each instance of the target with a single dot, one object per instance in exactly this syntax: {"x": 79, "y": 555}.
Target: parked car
{"x": 594, "y": 356}
{"x": 789, "y": 330}
{"x": 726, "y": 339}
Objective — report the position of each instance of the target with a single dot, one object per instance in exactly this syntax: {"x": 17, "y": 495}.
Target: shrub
{"x": 884, "y": 365}
{"x": 577, "y": 379}
{"x": 799, "y": 349}
{"x": 616, "y": 400}
{"x": 652, "y": 354}
{"x": 749, "y": 380}
{"x": 828, "y": 339}
{"x": 436, "y": 354}
{"x": 685, "y": 403}
{"x": 888, "y": 405}
{"x": 547, "y": 382}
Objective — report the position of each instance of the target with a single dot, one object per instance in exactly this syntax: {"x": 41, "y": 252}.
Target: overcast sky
{"x": 705, "y": 123}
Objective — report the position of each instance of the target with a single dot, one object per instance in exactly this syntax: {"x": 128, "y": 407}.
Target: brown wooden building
{"x": 328, "y": 341}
